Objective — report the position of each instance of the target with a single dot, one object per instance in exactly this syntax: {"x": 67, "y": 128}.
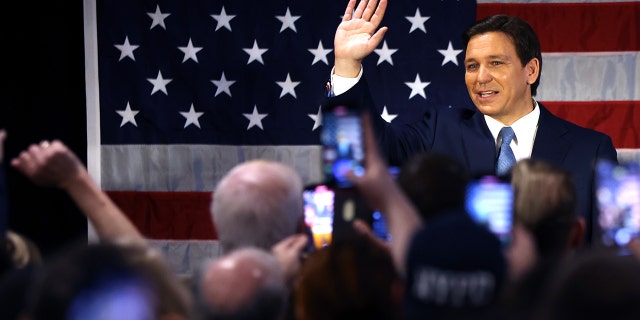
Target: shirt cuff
{"x": 339, "y": 85}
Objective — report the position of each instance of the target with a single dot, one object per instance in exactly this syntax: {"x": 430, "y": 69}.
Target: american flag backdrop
{"x": 178, "y": 92}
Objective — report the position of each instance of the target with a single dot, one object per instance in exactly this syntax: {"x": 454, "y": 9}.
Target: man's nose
{"x": 484, "y": 75}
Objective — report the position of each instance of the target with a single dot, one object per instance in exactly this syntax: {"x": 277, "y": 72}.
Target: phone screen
{"x": 618, "y": 200}
{"x": 490, "y": 203}
{"x": 318, "y": 215}
{"x": 329, "y": 214}
{"x": 342, "y": 144}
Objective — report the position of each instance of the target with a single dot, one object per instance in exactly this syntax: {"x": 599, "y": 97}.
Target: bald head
{"x": 257, "y": 203}
{"x": 245, "y": 282}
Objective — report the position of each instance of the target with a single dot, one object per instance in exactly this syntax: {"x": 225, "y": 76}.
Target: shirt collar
{"x": 524, "y": 128}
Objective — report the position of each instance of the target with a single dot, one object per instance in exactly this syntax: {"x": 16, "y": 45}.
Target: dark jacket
{"x": 464, "y": 135}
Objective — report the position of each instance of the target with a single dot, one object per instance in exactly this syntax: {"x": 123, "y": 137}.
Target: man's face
{"x": 498, "y": 83}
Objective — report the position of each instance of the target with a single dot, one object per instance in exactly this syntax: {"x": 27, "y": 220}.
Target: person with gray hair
{"x": 247, "y": 283}
{"x": 257, "y": 203}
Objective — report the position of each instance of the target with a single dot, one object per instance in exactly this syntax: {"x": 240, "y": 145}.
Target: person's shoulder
{"x": 583, "y": 132}
{"x": 454, "y": 112}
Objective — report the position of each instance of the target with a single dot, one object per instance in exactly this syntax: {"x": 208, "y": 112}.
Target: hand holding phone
{"x": 330, "y": 212}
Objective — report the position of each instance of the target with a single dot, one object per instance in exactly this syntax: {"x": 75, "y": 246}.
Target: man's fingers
{"x": 357, "y": 14}
{"x": 348, "y": 12}
{"x": 24, "y": 163}
{"x": 299, "y": 241}
{"x": 377, "y": 37}
{"x": 363, "y": 228}
{"x": 378, "y": 13}
{"x": 369, "y": 10}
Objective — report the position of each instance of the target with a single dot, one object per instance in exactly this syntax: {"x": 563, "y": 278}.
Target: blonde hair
{"x": 22, "y": 250}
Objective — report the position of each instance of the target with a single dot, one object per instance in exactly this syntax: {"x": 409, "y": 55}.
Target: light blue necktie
{"x": 506, "y": 158}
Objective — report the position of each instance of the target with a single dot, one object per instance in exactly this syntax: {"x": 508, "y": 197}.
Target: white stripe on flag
{"x": 590, "y": 76}
{"x": 194, "y": 167}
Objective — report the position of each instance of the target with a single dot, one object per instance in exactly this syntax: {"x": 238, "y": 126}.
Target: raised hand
{"x": 358, "y": 35}
{"x": 52, "y": 164}
{"x": 49, "y": 164}
{"x": 288, "y": 252}
{"x": 381, "y": 192}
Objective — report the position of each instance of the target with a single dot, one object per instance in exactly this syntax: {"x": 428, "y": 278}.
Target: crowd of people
{"x": 439, "y": 263}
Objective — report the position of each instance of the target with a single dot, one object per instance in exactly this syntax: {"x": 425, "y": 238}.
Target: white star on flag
{"x": 317, "y": 118}
{"x": 320, "y": 54}
{"x": 126, "y": 49}
{"x": 223, "y": 85}
{"x": 192, "y": 117}
{"x": 385, "y": 53}
{"x": 223, "y": 19}
{"x": 159, "y": 84}
{"x": 158, "y": 18}
{"x": 190, "y": 52}
{"x": 288, "y": 86}
{"x": 417, "y": 21}
{"x": 450, "y": 55}
{"x": 255, "y": 53}
{"x": 128, "y": 115}
{"x": 417, "y": 87}
{"x": 255, "y": 118}
{"x": 386, "y": 116}
{"x": 288, "y": 21}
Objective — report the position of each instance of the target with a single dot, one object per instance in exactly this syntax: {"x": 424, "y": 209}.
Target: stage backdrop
{"x": 178, "y": 92}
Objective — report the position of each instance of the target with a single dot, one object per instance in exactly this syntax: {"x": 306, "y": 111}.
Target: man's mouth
{"x": 484, "y": 94}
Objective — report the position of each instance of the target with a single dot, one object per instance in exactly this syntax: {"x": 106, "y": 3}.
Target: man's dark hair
{"x": 434, "y": 183}
{"x": 523, "y": 36}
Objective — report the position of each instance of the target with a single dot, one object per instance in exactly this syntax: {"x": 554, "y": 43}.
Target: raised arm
{"x": 358, "y": 35}
{"x": 54, "y": 165}
{"x": 382, "y": 193}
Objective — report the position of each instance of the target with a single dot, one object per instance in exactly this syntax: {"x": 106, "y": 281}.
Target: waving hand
{"x": 358, "y": 35}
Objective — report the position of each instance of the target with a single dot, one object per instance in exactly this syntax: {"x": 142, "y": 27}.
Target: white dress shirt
{"x": 525, "y": 129}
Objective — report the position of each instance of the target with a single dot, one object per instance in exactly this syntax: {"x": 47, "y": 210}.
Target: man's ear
{"x": 577, "y": 233}
{"x": 532, "y": 69}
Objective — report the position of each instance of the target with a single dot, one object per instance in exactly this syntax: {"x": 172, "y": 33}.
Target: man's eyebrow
{"x": 499, "y": 56}
{"x": 491, "y": 57}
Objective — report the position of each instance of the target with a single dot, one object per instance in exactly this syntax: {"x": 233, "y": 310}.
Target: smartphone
{"x": 489, "y": 201}
{"x": 618, "y": 201}
{"x": 342, "y": 144}
{"x": 318, "y": 215}
{"x": 329, "y": 214}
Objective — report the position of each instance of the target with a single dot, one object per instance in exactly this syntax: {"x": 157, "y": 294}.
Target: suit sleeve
{"x": 397, "y": 142}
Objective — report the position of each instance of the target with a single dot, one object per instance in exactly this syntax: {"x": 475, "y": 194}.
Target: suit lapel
{"x": 550, "y": 143}
{"x": 479, "y": 146}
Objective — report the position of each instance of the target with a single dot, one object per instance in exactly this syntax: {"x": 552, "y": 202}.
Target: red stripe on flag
{"x": 577, "y": 27}
{"x": 619, "y": 119}
{"x": 168, "y": 215}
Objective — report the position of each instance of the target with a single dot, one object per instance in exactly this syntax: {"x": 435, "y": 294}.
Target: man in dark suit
{"x": 503, "y": 61}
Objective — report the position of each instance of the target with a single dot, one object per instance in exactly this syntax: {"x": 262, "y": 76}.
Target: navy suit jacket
{"x": 464, "y": 135}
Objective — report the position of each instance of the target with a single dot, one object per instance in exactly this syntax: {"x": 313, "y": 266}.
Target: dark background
{"x": 43, "y": 98}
